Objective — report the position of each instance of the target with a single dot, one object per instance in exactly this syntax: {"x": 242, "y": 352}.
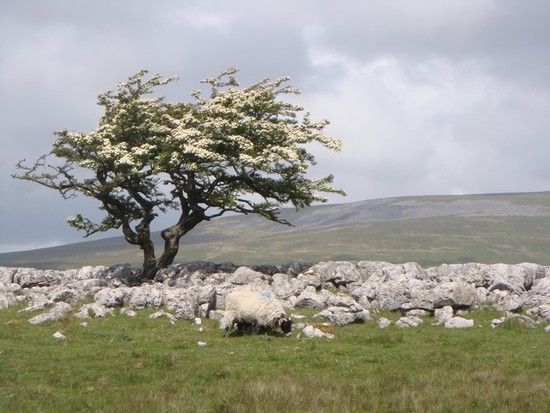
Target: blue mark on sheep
{"x": 267, "y": 295}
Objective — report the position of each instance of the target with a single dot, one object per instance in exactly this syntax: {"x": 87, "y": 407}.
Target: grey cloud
{"x": 461, "y": 106}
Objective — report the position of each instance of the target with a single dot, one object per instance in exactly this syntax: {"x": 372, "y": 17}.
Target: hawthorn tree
{"x": 238, "y": 150}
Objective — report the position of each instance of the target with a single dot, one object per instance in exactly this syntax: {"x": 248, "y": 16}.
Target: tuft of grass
{"x": 137, "y": 365}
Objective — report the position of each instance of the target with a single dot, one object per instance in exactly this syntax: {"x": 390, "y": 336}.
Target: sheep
{"x": 252, "y": 312}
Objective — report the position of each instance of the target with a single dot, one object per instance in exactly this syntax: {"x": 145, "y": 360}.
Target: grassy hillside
{"x": 430, "y": 230}
{"x": 142, "y": 365}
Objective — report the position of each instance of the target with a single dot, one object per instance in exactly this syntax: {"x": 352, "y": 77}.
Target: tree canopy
{"x": 240, "y": 150}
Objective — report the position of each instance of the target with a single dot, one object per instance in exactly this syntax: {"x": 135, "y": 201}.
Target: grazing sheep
{"x": 252, "y": 312}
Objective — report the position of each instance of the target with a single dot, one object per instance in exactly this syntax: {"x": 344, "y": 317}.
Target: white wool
{"x": 251, "y": 307}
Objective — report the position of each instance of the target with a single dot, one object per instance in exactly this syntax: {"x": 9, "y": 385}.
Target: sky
{"x": 428, "y": 97}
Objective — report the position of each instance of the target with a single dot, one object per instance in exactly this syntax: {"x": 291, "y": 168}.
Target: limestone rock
{"x": 127, "y": 312}
{"x": 313, "y": 332}
{"x": 59, "y": 336}
{"x": 383, "y": 322}
{"x": 164, "y": 314}
{"x": 93, "y": 310}
{"x": 417, "y": 312}
{"x": 408, "y": 321}
{"x": 309, "y": 298}
{"x": 459, "y": 322}
{"x": 145, "y": 296}
{"x": 443, "y": 314}
{"x": 342, "y": 315}
{"x": 111, "y": 297}
{"x": 57, "y": 312}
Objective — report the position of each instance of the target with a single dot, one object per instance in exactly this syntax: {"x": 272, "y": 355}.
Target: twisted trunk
{"x": 171, "y": 236}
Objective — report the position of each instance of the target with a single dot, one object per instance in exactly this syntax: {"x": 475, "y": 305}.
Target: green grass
{"x": 124, "y": 364}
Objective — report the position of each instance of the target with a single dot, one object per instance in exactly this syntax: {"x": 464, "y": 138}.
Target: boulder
{"x": 443, "y": 314}
{"x": 30, "y": 277}
{"x": 57, "y": 312}
{"x": 163, "y": 314}
{"x": 342, "y": 315}
{"x": 93, "y": 310}
{"x": 284, "y": 285}
{"x": 6, "y": 275}
{"x": 120, "y": 274}
{"x": 127, "y": 312}
{"x": 111, "y": 297}
{"x": 456, "y": 294}
{"x": 417, "y": 312}
{"x": 146, "y": 296}
{"x": 408, "y": 321}
{"x": 7, "y": 299}
{"x": 38, "y": 301}
{"x": 185, "y": 303}
{"x": 459, "y": 322}
{"x": 245, "y": 276}
{"x": 313, "y": 332}
{"x": 337, "y": 272}
{"x": 309, "y": 298}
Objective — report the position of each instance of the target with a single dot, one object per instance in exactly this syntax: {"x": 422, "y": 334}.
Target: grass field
{"x": 137, "y": 364}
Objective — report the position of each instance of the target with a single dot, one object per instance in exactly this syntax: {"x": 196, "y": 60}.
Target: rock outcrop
{"x": 342, "y": 292}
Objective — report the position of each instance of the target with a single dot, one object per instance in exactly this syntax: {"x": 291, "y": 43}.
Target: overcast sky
{"x": 428, "y": 97}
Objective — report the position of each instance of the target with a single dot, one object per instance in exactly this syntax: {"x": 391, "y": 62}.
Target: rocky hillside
{"x": 341, "y": 292}
{"x": 431, "y": 230}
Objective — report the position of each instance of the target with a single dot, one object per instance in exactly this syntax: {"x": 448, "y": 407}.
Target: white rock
{"x": 408, "y": 321}
{"x": 383, "y": 322}
{"x": 93, "y": 310}
{"x": 111, "y": 297}
{"x": 59, "y": 336}
{"x": 162, "y": 313}
{"x": 417, "y": 312}
{"x": 57, "y": 312}
{"x": 343, "y": 315}
{"x": 84, "y": 324}
{"x": 309, "y": 298}
{"x": 201, "y": 343}
{"x": 312, "y": 332}
{"x": 198, "y": 321}
{"x": 459, "y": 322}
{"x": 547, "y": 328}
{"x": 443, "y": 314}
{"x": 127, "y": 312}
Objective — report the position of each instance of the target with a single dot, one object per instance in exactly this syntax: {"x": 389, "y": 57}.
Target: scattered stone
{"x": 84, "y": 324}
{"x": 127, "y": 312}
{"x": 443, "y": 314}
{"x": 497, "y": 321}
{"x": 408, "y": 321}
{"x": 57, "y": 312}
{"x": 162, "y": 313}
{"x": 313, "y": 332}
{"x": 93, "y": 310}
{"x": 417, "y": 312}
{"x": 383, "y": 322}
{"x": 547, "y": 328}
{"x": 297, "y": 316}
{"x": 59, "y": 336}
{"x": 459, "y": 322}
{"x": 201, "y": 343}
{"x": 197, "y": 321}
{"x": 299, "y": 326}
{"x": 341, "y": 316}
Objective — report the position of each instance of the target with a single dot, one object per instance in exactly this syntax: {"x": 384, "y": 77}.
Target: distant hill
{"x": 431, "y": 230}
